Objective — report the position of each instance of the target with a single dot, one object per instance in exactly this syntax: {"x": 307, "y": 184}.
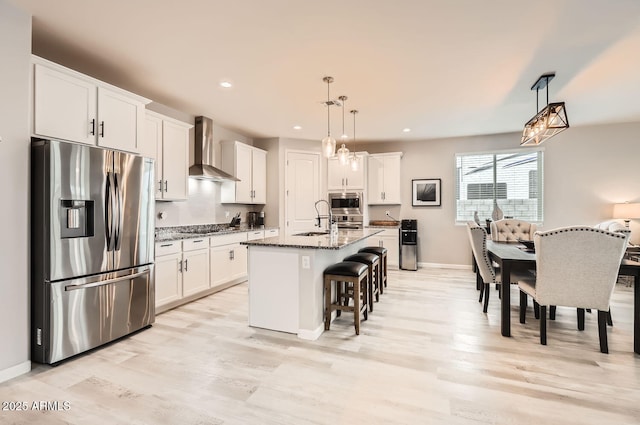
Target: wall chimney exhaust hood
{"x": 204, "y": 154}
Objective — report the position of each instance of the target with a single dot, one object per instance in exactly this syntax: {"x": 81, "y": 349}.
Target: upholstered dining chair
{"x": 489, "y": 274}
{"x": 575, "y": 267}
{"x": 510, "y": 230}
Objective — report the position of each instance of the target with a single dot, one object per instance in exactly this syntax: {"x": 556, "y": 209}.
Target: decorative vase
{"x": 497, "y": 212}
{"x": 476, "y": 218}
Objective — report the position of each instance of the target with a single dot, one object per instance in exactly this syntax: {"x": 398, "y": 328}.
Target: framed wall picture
{"x": 425, "y": 192}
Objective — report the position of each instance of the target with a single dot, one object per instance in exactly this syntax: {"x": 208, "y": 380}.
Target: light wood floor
{"x": 427, "y": 355}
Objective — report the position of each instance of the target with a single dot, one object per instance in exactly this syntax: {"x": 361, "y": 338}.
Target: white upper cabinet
{"x": 71, "y": 106}
{"x": 167, "y": 141}
{"x": 384, "y": 178}
{"x": 248, "y": 164}
{"x": 343, "y": 177}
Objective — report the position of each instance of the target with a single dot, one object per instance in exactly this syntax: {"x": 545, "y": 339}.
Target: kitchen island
{"x": 286, "y": 278}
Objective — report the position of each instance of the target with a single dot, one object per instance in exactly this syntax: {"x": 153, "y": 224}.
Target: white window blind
{"x": 511, "y": 179}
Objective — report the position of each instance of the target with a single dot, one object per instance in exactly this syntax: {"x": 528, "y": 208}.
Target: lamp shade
{"x": 626, "y": 211}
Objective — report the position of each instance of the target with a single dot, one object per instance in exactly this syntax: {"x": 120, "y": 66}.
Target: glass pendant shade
{"x": 329, "y": 147}
{"x": 354, "y": 162}
{"x": 343, "y": 155}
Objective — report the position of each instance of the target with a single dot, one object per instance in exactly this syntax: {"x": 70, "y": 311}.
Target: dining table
{"x": 512, "y": 256}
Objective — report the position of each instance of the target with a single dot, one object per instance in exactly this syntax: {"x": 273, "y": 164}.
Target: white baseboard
{"x": 311, "y": 335}
{"x": 14, "y": 371}
{"x": 445, "y": 266}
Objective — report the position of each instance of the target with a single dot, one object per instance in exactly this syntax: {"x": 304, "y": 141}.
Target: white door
{"x": 259, "y": 177}
{"x": 64, "y": 106}
{"x": 220, "y": 265}
{"x": 153, "y": 149}
{"x": 168, "y": 279}
{"x": 243, "y": 172}
{"x": 119, "y": 118}
{"x": 355, "y": 179}
{"x": 195, "y": 271}
{"x": 175, "y": 161}
{"x": 302, "y": 190}
{"x": 376, "y": 180}
{"x": 335, "y": 174}
{"x": 238, "y": 261}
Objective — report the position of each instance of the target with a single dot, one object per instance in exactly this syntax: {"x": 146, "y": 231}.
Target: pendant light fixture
{"x": 328, "y": 143}
{"x": 548, "y": 122}
{"x": 354, "y": 160}
{"x": 343, "y": 152}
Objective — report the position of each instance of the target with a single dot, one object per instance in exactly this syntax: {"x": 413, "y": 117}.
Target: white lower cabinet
{"x": 228, "y": 258}
{"x": 195, "y": 271}
{"x": 389, "y": 238}
{"x": 192, "y": 268}
{"x": 168, "y": 273}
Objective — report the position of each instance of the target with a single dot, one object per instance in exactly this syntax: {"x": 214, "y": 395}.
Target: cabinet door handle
{"x": 101, "y": 128}
{"x": 232, "y": 255}
{"x": 166, "y": 185}
{"x": 93, "y": 127}
{"x": 180, "y": 266}
{"x": 160, "y": 186}
{"x": 380, "y": 243}
{"x": 186, "y": 265}
{"x": 347, "y": 182}
{"x": 198, "y": 241}
{"x": 166, "y": 244}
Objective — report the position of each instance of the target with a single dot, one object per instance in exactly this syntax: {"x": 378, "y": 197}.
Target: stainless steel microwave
{"x": 345, "y": 203}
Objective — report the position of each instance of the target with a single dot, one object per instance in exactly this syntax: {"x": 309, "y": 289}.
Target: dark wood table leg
{"x": 636, "y": 313}
{"x": 505, "y": 288}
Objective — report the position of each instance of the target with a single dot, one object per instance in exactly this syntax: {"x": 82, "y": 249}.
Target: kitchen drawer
{"x": 271, "y": 233}
{"x": 195, "y": 243}
{"x": 228, "y": 239}
{"x": 255, "y": 234}
{"x": 168, "y": 247}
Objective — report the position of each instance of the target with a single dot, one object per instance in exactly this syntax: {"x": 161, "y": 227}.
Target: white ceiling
{"x": 440, "y": 67}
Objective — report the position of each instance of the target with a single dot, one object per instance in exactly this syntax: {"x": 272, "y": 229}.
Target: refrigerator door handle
{"x": 120, "y": 216}
{"x": 105, "y": 282}
{"x": 109, "y": 211}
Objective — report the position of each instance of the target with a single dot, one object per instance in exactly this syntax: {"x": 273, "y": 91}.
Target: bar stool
{"x": 373, "y": 261}
{"x": 357, "y": 275}
{"x": 382, "y": 253}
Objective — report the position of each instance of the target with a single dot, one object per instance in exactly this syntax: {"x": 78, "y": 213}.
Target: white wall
{"x": 15, "y": 52}
{"x": 586, "y": 169}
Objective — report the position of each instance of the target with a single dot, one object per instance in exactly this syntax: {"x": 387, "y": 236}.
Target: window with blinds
{"x": 513, "y": 180}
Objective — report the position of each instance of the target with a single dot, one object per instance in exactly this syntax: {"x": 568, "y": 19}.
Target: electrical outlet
{"x": 306, "y": 262}
{"x": 387, "y": 212}
{"x": 226, "y": 214}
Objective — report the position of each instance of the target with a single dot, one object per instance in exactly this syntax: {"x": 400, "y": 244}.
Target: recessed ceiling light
{"x": 297, "y": 127}
{"x": 406, "y": 130}
{"x": 226, "y": 84}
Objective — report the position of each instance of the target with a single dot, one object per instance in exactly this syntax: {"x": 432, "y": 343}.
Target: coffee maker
{"x": 252, "y": 218}
{"x": 260, "y": 220}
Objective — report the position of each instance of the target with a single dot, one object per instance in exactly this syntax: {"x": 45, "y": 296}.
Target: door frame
{"x": 321, "y": 186}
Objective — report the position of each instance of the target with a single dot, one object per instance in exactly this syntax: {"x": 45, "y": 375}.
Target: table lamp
{"x": 626, "y": 211}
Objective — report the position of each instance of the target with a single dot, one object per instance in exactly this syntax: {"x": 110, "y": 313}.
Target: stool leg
{"x": 370, "y": 287}
{"x": 378, "y": 277}
{"x": 384, "y": 257}
{"x": 339, "y": 296}
{"x": 356, "y": 305}
{"x": 365, "y": 300}
{"x": 327, "y": 303}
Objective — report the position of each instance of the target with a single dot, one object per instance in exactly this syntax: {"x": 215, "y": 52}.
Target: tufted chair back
{"x": 577, "y": 266}
{"x": 510, "y": 230}
{"x": 478, "y": 240}
{"x": 616, "y": 227}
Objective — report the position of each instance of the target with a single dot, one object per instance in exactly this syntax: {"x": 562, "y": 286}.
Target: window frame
{"x": 497, "y": 152}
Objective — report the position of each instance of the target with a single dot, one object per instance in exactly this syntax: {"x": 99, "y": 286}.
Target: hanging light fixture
{"x": 343, "y": 152}
{"x": 328, "y": 143}
{"x": 548, "y": 122}
{"x": 354, "y": 160}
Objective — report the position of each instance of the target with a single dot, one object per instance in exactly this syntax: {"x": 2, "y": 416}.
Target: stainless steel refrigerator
{"x": 92, "y": 242}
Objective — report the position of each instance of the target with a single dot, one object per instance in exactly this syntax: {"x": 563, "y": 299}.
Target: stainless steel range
{"x": 347, "y": 209}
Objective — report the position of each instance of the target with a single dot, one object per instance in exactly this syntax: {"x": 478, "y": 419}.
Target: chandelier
{"x": 548, "y": 122}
